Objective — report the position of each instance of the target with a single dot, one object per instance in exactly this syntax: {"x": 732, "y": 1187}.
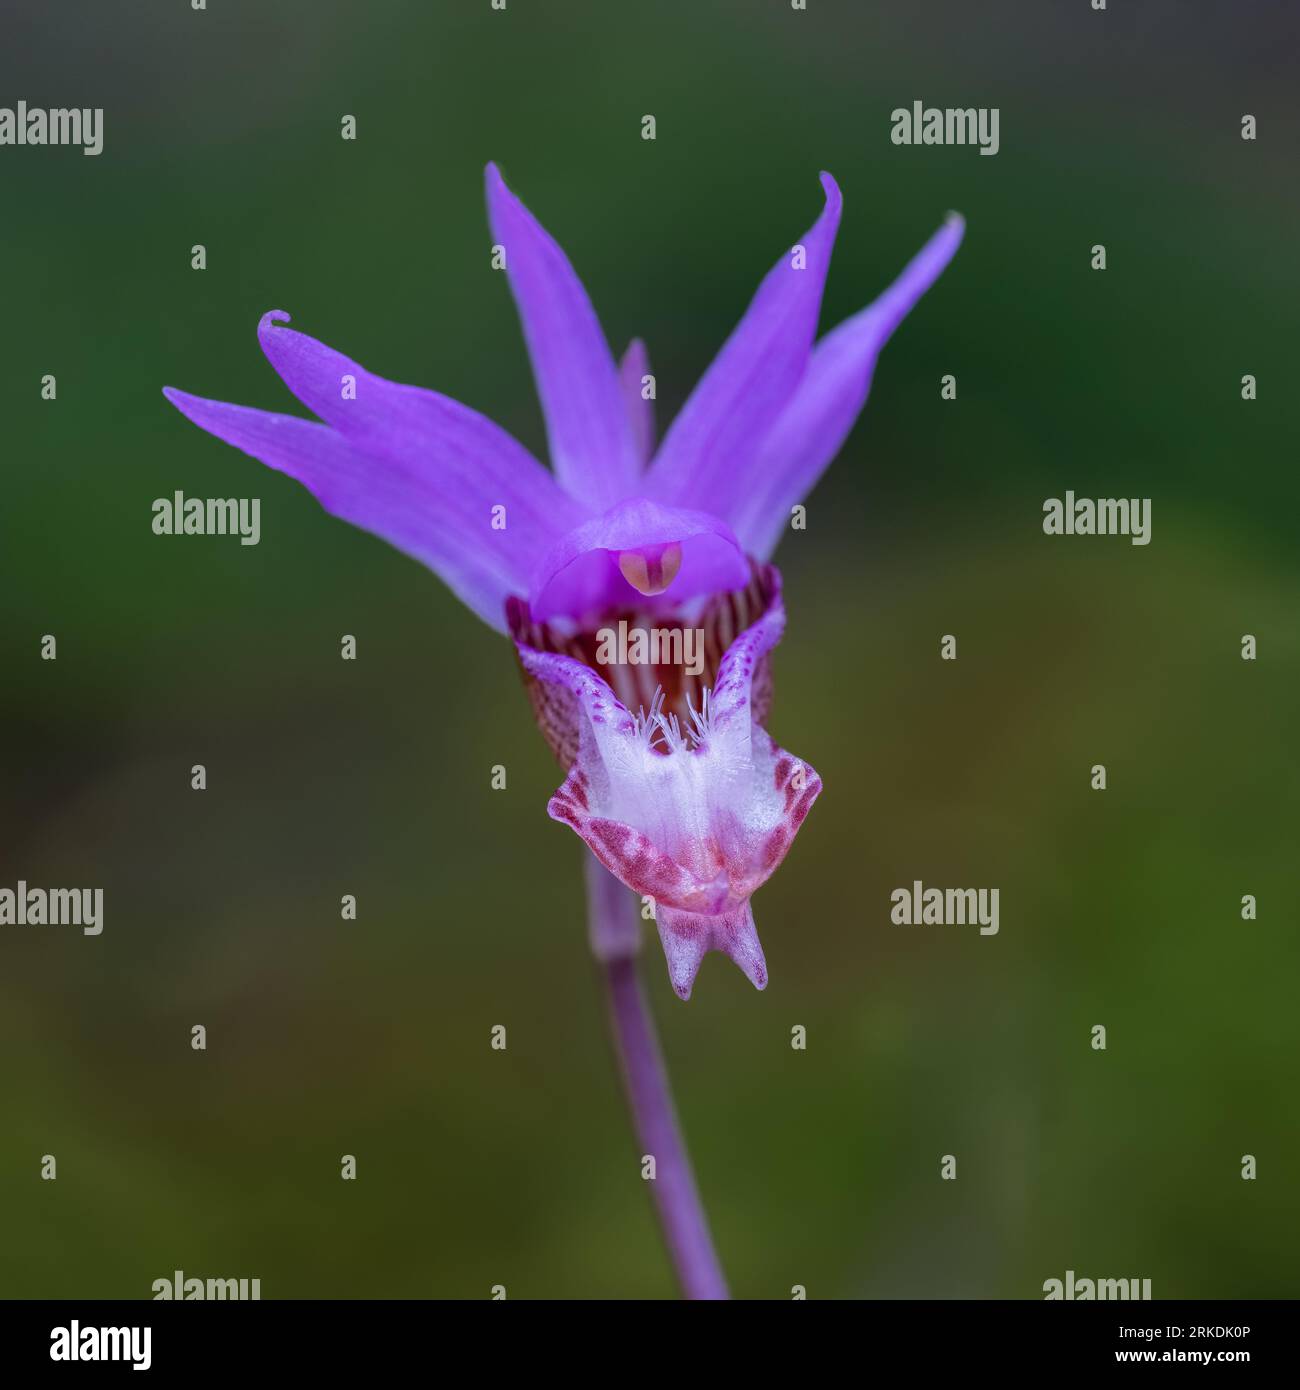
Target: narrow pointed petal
{"x": 632, "y": 371}
{"x": 394, "y": 503}
{"x": 467, "y": 463}
{"x": 430, "y": 476}
{"x": 810, "y": 430}
{"x": 713, "y": 442}
{"x": 591, "y": 443}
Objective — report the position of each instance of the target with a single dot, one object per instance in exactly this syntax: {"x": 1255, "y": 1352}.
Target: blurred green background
{"x": 371, "y": 1037}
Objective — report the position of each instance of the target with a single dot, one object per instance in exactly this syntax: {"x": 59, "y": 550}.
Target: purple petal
{"x": 634, "y": 367}
{"x": 479, "y": 566}
{"x": 466, "y": 460}
{"x": 815, "y": 423}
{"x": 592, "y": 449}
{"x": 580, "y": 575}
{"x": 712, "y": 443}
{"x": 429, "y": 475}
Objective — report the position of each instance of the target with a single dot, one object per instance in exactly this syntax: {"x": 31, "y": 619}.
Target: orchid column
{"x": 672, "y": 779}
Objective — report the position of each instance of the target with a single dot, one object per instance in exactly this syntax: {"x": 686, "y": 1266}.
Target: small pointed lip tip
{"x": 952, "y": 218}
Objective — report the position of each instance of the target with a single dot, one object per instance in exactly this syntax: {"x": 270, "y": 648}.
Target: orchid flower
{"x": 671, "y": 777}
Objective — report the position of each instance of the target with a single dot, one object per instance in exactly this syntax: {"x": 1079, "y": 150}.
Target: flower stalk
{"x": 615, "y": 939}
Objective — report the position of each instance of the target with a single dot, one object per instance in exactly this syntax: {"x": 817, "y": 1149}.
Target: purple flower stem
{"x": 615, "y": 938}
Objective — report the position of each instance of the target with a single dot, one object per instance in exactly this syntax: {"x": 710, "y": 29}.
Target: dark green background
{"x": 818, "y": 1168}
